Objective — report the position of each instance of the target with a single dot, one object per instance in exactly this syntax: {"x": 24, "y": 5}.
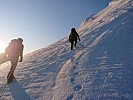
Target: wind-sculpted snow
{"x": 99, "y": 68}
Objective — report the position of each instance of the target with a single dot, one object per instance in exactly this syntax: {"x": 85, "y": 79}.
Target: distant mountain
{"x": 99, "y": 68}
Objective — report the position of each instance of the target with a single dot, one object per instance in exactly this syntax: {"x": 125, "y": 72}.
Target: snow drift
{"x": 100, "y": 67}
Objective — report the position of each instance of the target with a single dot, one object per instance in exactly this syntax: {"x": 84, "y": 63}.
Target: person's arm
{"x": 78, "y": 36}
{"x": 21, "y": 54}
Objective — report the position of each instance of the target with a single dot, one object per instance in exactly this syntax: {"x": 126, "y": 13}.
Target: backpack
{"x": 72, "y": 36}
{"x": 13, "y": 48}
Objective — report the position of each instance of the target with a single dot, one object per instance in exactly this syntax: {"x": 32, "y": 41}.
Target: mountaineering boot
{"x": 13, "y": 77}
{"x": 9, "y": 78}
{"x": 9, "y": 81}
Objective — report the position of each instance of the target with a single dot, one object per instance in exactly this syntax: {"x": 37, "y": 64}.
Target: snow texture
{"x": 99, "y": 68}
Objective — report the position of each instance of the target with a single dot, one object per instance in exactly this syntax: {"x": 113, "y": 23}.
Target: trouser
{"x": 73, "y": 43}
{"x": 10, "y": 75}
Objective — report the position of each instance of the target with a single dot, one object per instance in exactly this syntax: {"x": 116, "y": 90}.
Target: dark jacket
{"x": 73, "y": 35}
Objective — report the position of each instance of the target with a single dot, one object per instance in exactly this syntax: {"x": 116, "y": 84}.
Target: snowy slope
{"x": 99, "y": 68}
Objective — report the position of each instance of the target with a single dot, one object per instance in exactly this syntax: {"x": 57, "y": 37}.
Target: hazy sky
{"x": 42, "y": 22}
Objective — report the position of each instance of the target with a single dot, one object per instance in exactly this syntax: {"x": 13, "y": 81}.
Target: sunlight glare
{"x": 2, "y": 46}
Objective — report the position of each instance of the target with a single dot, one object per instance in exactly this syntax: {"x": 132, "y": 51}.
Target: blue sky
{"x": 42, "y": 22}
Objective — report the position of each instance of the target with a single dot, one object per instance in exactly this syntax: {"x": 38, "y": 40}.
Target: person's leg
{"x": 10, "y": 75}
{"x": 72, "y": 44}
{"x": 75, "y": 43}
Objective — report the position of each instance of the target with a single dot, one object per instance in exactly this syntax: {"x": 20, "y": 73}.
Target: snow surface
{"x": 99, "y": 68}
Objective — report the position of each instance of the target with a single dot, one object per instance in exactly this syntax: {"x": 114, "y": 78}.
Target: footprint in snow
{"x": 70, "y": 97}
{"x": 76, "y": 73}
{"x": 72, "y": 79}
{"x": 74, "y": 67}
{"x": 76, "y": 63}
{"x": 77, "y": 88}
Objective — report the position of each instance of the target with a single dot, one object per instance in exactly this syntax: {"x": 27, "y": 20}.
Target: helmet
{"x": 20, "y": 39}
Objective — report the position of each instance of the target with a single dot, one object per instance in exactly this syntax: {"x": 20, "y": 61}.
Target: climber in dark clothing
{"x": 73, "y": 38}
{"x": 14, "y": 51}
